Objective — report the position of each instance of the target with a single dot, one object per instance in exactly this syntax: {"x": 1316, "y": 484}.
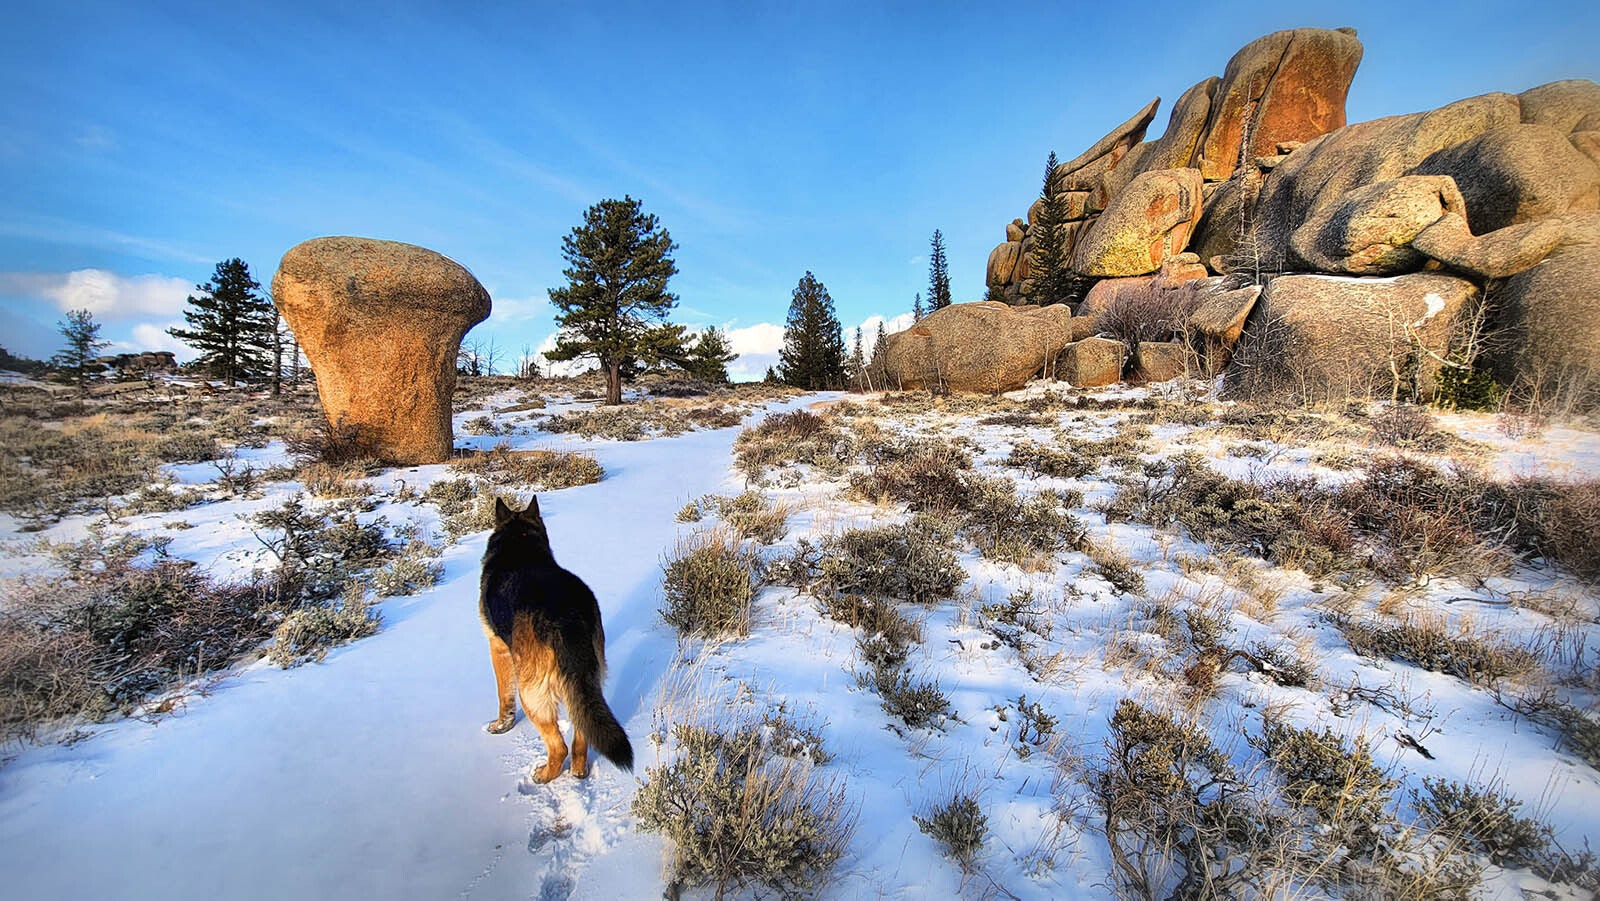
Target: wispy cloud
{"x": 76, "y": 234}
{"x": 107, "y": 295}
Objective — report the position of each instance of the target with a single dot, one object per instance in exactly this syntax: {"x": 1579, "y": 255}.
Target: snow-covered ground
{"x": 370, "y": 775}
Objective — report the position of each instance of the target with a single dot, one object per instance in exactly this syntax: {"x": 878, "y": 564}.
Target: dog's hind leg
{"x": 543, "y": 716}
{"x": 505, "y": 685}
{"x": 580, "y": 753}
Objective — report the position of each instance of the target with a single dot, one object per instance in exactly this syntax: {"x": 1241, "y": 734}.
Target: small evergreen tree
{"x": 877, "y": 366}
{"x": 813, "y": 341}
{"x": 938, "y": 275}
{"x": 1049, "y": 264}
{"x": 230, "y": 324}
{"x": 855, "y": 368}
{"x": 709, "y": 356}
{"x": 12, "y": 363}
{"x": 916, "y": 308}
{"x": 618, "y": 264}
{"x": 83, "y": 344}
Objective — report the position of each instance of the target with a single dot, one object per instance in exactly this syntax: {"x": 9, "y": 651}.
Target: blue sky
{"x": 142, "y": 142}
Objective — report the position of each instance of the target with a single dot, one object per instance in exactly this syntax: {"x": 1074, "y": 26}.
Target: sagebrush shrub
{"x": 709, "y": 585}
{"x": 911, "y": 562}
{"x": 959, "y": 825}
{"x": 1334, "y": 779}
{"x": 544, "y": 470}
{"x": 737, "y": 816}
{"x": 309, "y": 633}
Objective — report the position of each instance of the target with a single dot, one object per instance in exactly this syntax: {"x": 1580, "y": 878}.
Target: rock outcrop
{"x": 1092, "y": 362}
{"x": 1551, "y": 314}
{"x": 381, "y": 323}
{"x": 985, "y": 346}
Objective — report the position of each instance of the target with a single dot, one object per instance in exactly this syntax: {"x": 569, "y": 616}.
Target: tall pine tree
{"x": 938, "y": 275}
{"x": 813, "y": 341}
{"x": 230, "y": 324}
{"x": 618, "y": 263}
{"x": 83, "y": 342}
{"x": 855, "y": 368}
{"x": 1049, "y": 264}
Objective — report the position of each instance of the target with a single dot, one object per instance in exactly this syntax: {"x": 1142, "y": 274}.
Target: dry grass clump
{"x": 1115, "y": 567}
{"x": 334, "y": 481}
{"x": 923, "y": 474}
{"x": 641, "y": 420}
{"x": 1429, "y": 643}
{"x": 740, "y": 813}
{"x": 797, "y": 437}
{"x": 83, "y": 462}
{"x": 750, "y": 515}
{"x": 709, "y": 585}
{"x": 545, "y": 470}
{"x": 911, "y": 562}
{"x": 113, "y": 629}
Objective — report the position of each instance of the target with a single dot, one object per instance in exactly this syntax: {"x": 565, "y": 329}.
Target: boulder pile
{"x": 1409, "y": 232}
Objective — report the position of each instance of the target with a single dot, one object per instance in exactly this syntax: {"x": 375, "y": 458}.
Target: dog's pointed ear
{"x": 502, "y": 513}
{"x": 532, "y": 514}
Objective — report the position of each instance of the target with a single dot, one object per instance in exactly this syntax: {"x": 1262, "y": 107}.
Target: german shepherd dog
{"x": 546, "y": 643}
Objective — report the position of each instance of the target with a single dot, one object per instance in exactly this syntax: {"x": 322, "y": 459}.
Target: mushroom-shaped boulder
{"x": 381, "y": 323}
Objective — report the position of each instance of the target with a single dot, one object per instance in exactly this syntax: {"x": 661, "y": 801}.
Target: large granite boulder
{"x": 381, "y": 323}
{"x": 1162, "y": 361}
{"x": 1147, "y": 222}
{"x": 977, "y": 347}
{"x": 1551, "y": 316}
{"x": 1321, "y": 338}
{"x": 1285, "y": 86}
{"x": 1003, "y": 262}
{"x": 1368, "y": 231}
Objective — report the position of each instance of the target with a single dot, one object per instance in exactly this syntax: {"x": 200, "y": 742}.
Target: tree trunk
{"x": 613, "y": 384}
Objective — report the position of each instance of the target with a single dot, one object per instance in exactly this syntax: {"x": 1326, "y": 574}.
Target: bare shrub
{"x": 1179, "y": 821}
{"x": 709, "y": 585}
{"x": 750, "y": 515}
{"x": 1115, "y": 567}
{"x": 113, "y": 629}
{"x": 466, "y": 505}
{"x": 1026, "y": 532}
{"x": 923, "y": 475}
{"x": 1404, "y": 425}
{"x": 334, "y": 443}
{"x": 1335, "y": 780}
{"x": 1151, "y": 312}
{"x": 914, "y": 701}
{"x": 739, "y": 815}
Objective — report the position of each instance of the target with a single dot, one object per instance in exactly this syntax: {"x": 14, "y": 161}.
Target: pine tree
{"x": 1049, "y": 265}
{"x": 813, "y": 341}
{"x": 83, "y": 343}
{"x": 877, "y": 365}
{"x": 938, "y": 275}
{"x": 916, "y": 308}
{"x": 618, "y": 264}
{"x": 230, "y": 324}
{"x": 709, "y": 356}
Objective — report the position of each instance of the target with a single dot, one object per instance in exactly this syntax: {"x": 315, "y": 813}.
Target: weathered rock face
{"x": 1319, "y": 338}
{"x": 1092, "y": 362}
{"x": 1521, "y": 173}
{"x": 978, "y": 347}
{"x": 1370, "y": 229}
{"x": 1147, "y": 222}
{"x": 1551, "y": 312}
{"x": 1162, "y": 361}
{"x": 1499, "y": 254}
{"x": 1216, "y": 324}
{"x": 1177, "y": 146}
{"x": 381, "y": 323}
{"x": 1285, "y": 86}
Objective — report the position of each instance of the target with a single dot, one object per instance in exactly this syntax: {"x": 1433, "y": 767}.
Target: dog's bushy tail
{"x": 593, "y": 718}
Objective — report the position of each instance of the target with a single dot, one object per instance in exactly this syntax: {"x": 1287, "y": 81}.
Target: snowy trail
{"x": 371, "y": 775}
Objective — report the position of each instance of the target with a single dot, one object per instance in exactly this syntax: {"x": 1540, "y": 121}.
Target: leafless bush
{"x": 1151, "y": 312}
